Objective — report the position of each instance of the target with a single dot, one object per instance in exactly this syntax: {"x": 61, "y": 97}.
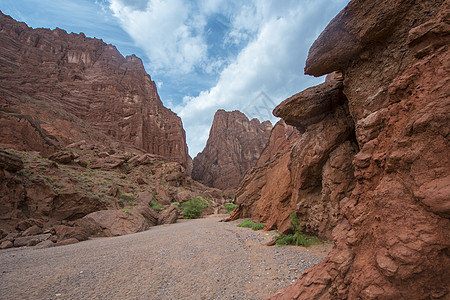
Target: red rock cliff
{"x": 234, "y": 145}
{"x": 56, "y": 88}
{"x": 393, "y": 238}
{"x": 307, "y": 169}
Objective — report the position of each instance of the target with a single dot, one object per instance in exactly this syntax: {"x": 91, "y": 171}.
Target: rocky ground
{"x": 195, "y": 259}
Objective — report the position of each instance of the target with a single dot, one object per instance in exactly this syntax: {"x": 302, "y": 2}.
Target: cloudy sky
{"x": 205, "y": 54}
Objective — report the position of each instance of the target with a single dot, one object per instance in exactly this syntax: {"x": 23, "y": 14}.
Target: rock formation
{"x": 58, "y": 88}
{"x": 307, "y": 169}
{"x": 234, "y": 145}
{"x": 86, "y": 146}
{"x": 393, "y": 237}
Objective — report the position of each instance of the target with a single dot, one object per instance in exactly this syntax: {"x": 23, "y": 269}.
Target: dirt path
{"x": 196, "y": 259}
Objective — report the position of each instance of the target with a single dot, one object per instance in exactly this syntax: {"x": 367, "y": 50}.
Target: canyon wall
{"x": 392, "y": 238}
{"x": 309, "y": 168}
{"x": 234, "y": 145}
{"x": 57, "y": 88}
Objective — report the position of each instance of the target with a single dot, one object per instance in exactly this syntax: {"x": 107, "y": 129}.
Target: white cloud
{"x": 171, "y": 37}
{"x": 273, "y": 38}
{"x": 272, "y": 62}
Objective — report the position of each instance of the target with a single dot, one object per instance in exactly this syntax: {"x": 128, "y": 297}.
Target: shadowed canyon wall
{"x": 234, "y": 145}
{"x": 392, "y": 237}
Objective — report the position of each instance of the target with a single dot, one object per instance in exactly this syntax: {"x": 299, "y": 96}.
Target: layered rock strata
{"x": 57, "y": 88}
{"x": 392, "y": 241}
{"x": 234, "y": 145}
{"x": 307, "y": 169}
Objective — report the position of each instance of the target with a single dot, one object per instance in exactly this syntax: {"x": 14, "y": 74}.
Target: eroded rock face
{"x": 57, "y": 88}
{"x": 234, "y": 145}
{"x": 310, "y": 173}
{"x": 392, "y": 241}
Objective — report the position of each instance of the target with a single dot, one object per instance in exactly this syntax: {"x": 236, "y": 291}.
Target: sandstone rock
{"x": 45, "y": 244}
{"x": 66, "y": 232}
{"x": 31, "y": 240}
{"x": 10, "y": 162}
{"x": 143, "y": 208}
{"x": 309, "y": 173}
{"x": 25, "y": 224}
{"x": 112, "y": 223}
{"x": 312, "y": 105}
{"x": 63, "y": 157}
{"x": 33, "y": 230}
{"x": 169, "y": 215}
{"x": 234, "y": 145}
{"x": 6, "y": 245}
{"x": 10, "y": 237}
{"x": 108, "y": 98}
{"x": 392, "y": 240}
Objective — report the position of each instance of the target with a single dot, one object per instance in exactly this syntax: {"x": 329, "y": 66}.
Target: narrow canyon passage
{"x": 195, "y": 259}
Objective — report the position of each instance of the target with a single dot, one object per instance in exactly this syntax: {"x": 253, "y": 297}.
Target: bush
{"x": 230, "y": 207}
{"x": 126, "y": 196}
{"x": 298, "y": 238}
{"x": 193, "y": 208}
{"x": 250, "y": 224}
{"x": 156, "y": 206}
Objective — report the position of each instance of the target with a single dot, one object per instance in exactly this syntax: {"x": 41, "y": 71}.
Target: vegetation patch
{"x": 297, "y": 238}
{"x": 230, "y": 207}
{"x": 156, "y": 206}
{"x": 253, "y": 225}
{"x": 193, "y": 208}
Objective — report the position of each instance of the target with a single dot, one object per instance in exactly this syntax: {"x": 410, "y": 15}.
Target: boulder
{"x": 45, "y": 244}
{"x": 169, "y": 215}
{"x": 31, "y": 240}
{"x": 63, "y": 157}
{"x": 113, "y": 223}
{"x": 25, "y": 224}
{"x": 64, "y": 232}
{"x": 33, "y": 230}
{"x": 6, "y": 245}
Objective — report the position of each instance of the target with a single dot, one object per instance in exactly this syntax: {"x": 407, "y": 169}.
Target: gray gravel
{"x": 195, "y": 259}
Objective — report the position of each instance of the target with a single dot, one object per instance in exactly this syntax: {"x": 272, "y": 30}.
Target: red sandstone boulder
{"x": 169, "y": 215}
{"x": 112, "y": 223}
{"x": 64, "y": 232}
{"x": 31, "y": 240}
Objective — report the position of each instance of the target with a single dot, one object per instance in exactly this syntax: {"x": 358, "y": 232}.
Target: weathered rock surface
{"x": 169, "y": 215}
{"x": 234, "y": 145}
{"x": 56, "y": 88}
{"x": 10, "y": 162}
{"x": 392, "y": 241}
{"x": 112, "y": 223}
{"x": 310, "y": 173}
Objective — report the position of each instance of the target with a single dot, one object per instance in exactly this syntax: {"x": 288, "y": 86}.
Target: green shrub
{"x": 175, "y": 203}
{"x": 297, "y": 238}
{"x": 250, "y": 224}
{"x": 127, "y": 196}
{"x": 230, "y": 207}
{"x": 120, "y": 202}
{"x": 193, "y": 208}
{"x": 156, "y": 206}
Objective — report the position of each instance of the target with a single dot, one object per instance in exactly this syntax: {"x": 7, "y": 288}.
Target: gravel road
{"x": 192, "y": 259}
